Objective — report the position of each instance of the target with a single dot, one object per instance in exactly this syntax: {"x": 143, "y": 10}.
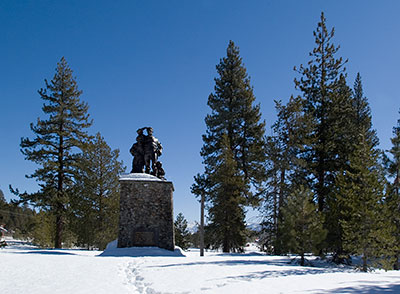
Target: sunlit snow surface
{"x": 112, "y": 250}
{"x": 139, "y": 177}
{"x": 27, "y": 269}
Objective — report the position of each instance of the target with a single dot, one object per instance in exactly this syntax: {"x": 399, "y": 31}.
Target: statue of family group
{"x": 146, "y": 151}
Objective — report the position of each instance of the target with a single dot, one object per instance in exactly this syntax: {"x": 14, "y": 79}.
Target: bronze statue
{"x": 145, "y": 153}
{"x": 137, "y": 151}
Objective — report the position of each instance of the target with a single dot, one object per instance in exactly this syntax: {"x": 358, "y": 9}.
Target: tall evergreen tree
{"x": 394, "y": 164}
{"x": 234, "y": 116}
{"x": 342, "y": 133}
{"x": 233, "y": 113}
{"x": 393, "y": 195}
{"x": 96, "y": 199}
{"x": 55, "y": 146}
{"x": 284, "y": 167}
{"x": 182, "y": 234}
{"x": 362, "y": 113}
{"x": 334, "y": 119}
{"x": 352, "y": 128}
{"x": 226, "y": 213}
{"x": 365, "y": 226}
{"x": 319, "y": 83}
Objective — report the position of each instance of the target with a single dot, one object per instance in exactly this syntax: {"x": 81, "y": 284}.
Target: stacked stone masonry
{"x": 146, "y": 213}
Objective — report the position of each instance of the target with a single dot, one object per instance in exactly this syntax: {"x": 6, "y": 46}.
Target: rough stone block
{"x": 146, "y": 212}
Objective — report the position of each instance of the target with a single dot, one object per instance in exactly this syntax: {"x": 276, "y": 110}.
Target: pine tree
{"x": 362, "y": 118}
{"x": 393, "y": 196}
{"x": 342, "y": 133}
{"x": 226, "y": 214}
{"x": 354, "y": 128}
{"x": 336, "y": 118}
{"x": 319, "y": 83}
{"x": 284, "y": 167}
{"x": 96, "y": 199}
{"x": 233, "y": 113}
{"x": 394, "y": 164}
{"x": 302, "y": 228}
{"x": 366, "y": 230}
{"x": 182, "y": 234}
{"x": 55, "y": 146}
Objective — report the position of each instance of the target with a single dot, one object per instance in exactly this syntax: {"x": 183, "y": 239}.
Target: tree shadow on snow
{"x": 287, "y": 269}
{"x": 46, "y": 252}
{"x": 229, "y": 263}
{"x": 364, "y": 288}
{"x": 295, "y": 270}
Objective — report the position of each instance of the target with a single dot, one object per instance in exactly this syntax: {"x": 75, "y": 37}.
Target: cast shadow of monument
{"x": 366, "y": 289}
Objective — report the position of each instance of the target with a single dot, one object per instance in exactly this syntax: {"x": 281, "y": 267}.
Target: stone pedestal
{"x": 146, "y": 212}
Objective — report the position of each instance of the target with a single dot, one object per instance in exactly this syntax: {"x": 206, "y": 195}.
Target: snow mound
{"x": 139, "y": 177}
{"x": 112, "y": 250}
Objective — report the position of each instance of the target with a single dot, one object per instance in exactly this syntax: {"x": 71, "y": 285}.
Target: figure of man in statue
{"x": 152, "y": 150}
{"x": 137, "y": 150}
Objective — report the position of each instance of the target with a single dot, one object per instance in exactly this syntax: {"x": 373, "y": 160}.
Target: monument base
{"x": 146, "y": 212}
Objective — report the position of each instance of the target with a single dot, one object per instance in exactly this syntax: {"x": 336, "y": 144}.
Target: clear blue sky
{"x": 152, "y": 63}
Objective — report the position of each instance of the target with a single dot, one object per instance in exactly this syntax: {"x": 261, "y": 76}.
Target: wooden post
{"x": 202, "y": 225}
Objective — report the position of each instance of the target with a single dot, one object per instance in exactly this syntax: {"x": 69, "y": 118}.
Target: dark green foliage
{"x": 336, "y": 118}
{"x": 95, "y": 202}
{"x": 362, "y": 111}
{"x": 393, "y": 188}
{"x": 302, "y": 228}
{"x": 233, "y": 113}
{"x": 320, "y": 86}
{"x": 226, "y": 213}
{"x": 54, "y": 148}
{"x": 284, "y": 168}
{"x": 354, "y": 129}
{"x": 233, "y": 153}
{"x": 182, "y": 234}
{"x": 19, "y": 220}
{"x": 364, "y": 222}
{"x": 44, "y": 230}
{"x": 342, "y": 132}
{"x": 394, "y": 163}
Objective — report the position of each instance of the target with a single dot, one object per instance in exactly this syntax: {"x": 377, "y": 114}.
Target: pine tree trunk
{"x": 202, "y": 225}
{"x": 59, "y": 231}
{"x": 302, "y": 259}
{"x": 396, "y": 263}
{"x": 364, "y": 266}
{"x": 320, "y": 187}
{"x": 60, "y": 187}
{"x": 225, "y": 246}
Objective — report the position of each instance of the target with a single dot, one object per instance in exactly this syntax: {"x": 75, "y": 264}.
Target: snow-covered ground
{"x": 26, "y": 269}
